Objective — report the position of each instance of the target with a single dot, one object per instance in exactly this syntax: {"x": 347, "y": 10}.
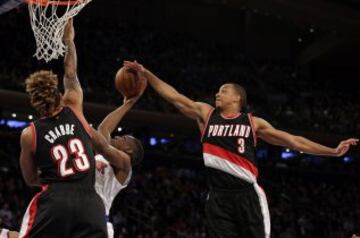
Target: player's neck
{"x": 56, "y": 111}
{"x": 230, "y": 111}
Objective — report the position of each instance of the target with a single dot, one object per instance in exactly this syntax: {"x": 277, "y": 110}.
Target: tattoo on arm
{"x": 70, "y": 67}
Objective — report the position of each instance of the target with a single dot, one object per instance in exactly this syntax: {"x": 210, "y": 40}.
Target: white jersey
{"x": 4, "y": 233}
{"x": 107, "y": 186}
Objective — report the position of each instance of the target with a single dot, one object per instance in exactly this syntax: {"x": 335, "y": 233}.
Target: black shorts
{"x": 60, "y": 212}
{"x": 237, "y": 214}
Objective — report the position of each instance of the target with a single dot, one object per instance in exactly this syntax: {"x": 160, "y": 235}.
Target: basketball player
{"x": 236, "y": 205}
{"x": 111, "y": 179}
{"x": 59, "y": 146}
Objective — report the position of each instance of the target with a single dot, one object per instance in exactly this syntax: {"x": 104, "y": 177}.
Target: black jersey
{"x": 63, "y": 151}
{"x": 229, "y": 150}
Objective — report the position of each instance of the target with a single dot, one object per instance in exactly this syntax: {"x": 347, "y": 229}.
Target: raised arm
{"x": 27, "y": 164}
{"x": 110, "y": 122}
{"x": 73, "y": 95}
{"x": 274, "y": 136}
{"x": 194, "y": 110}
{"x": 119, "y": 159}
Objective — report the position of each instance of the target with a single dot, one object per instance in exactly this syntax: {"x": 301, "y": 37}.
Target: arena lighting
{"x": 287, "y": 150}
{"x": 30, "y": 117}
{"x": 164, "y": 141}
{"x": 152, "y": 141}
{"x": 16, "y": 124}
{"x": 119, "y": 129}
{"x": 347, "y": 159}
{"x": 91, "y": 125}
{"x": 311, "y": 30}
{"x": 13, "y": 115}
{"x": 287, "y": 155}
{"x": 300, "y": 39}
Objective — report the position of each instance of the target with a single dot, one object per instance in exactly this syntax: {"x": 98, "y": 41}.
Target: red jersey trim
{"x": 252, "y": 128}
{"x": 33, "y": 211}
{"x": 33, "y": 140}
{"x": 230, "y": 116}
{"x": 231, "y": 157}
{"x": 203, "y": 130}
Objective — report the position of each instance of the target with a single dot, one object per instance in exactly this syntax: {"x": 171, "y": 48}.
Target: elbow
{"x": 104, "y": 131}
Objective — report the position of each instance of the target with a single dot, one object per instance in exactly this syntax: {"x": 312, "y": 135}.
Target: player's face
{"x": 225, "y": 96}
{"x": 122, "y": 143}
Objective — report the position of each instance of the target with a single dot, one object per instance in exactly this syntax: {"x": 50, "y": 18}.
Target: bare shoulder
{"x": 260, "y": 123}
{"x": 204, "y": 109}
{"x": 26, "y": 134}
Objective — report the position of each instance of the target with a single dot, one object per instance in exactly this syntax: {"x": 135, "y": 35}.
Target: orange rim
{"x": 59, "y": 3}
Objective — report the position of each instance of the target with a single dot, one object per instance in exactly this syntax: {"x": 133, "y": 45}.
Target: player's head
{"x": 231, "y": 94}
{"x": 42, "y": 87}
{"x": 131, "y": 146}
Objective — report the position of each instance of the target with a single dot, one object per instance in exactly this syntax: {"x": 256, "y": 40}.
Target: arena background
{"x": 298, "y": 61}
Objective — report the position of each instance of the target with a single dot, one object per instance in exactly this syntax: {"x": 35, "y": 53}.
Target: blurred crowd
{"x": 168, "y": 201}
{"x": 285, "y": 94}
{"x": 307, "y": 197}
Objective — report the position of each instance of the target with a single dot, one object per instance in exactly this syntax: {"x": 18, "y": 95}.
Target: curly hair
{"x": 42, "y": 87}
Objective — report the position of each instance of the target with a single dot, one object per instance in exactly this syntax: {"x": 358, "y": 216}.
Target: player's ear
{"x": 237, "y": 98}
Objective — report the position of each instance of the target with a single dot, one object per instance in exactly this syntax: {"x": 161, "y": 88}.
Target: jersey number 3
{"x": 241, "y": 145}
{"x": 61, "y": 155}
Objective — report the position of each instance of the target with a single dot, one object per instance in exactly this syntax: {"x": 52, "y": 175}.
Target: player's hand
{"x": 69, "y": 32}
{"x": 131, "y": 100}
{"x": 135, "y": 66}
{"x": 344, "y": 146}
{"x": 355, "y": 236}
{"x": 140, "y": 71}
{"x": 138, "y": 68}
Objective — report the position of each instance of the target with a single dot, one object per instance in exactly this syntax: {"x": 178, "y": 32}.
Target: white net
{"x": 48, "y": 20}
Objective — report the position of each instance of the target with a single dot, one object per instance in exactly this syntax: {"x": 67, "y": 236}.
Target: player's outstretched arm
{"x": 278, "y": 137}
{"x": 194, "y": 110}
{"x": 119, "y": 159}
{"x": 27, "y": 164}
{"x": 108, "y": 125}
{"x": 73, "y": 92}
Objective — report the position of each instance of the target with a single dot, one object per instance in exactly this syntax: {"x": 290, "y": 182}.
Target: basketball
{"x": 128, "y": 83}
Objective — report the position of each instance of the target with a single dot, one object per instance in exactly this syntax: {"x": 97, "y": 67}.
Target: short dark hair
{"x": 242, "y": 92}
{"x": 138, "y": 152}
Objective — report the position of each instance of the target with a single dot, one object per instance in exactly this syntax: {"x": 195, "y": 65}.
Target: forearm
{"x": 110, "y": 122}
{"x": 70, "y": 65}
{"x": 310, "y": 147}
{"x": 116, "y": 157}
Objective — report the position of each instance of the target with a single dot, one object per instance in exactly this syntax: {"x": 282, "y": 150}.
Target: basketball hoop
{"x": 48, "y": 19}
